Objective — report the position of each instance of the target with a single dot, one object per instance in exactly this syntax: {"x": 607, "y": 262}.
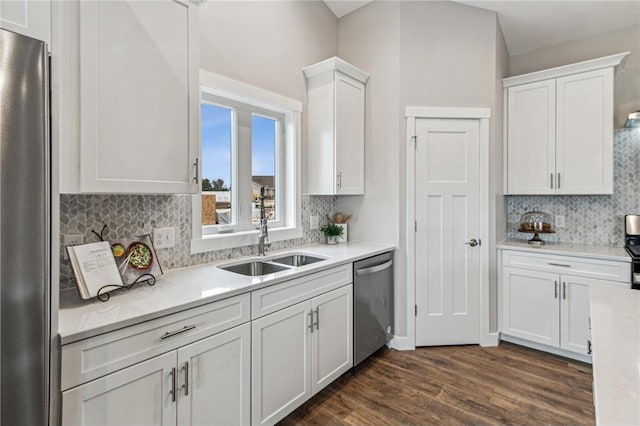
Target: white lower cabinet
{"x": 531, "y": 306}
{"x": 297, "y": 351}
{"x": 204, "y": 383}
{"x": 137, "y": 395}
{"x": 542, "y": 303}
{"x": 216, "y": 379}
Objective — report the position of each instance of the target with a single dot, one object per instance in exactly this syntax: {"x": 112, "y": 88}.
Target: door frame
{"x": 482, "y": 115}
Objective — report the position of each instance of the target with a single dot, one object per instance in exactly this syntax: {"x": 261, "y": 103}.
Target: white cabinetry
{"x": 125, "y": 93}
{"x": 545, "y": 298}
{"x": 27, "y": 17}
{"x": 297, "y": 351}
{"x": 203, "y": 382}
{"x": 559, "y": 129}
{"x": 336, "y": 117}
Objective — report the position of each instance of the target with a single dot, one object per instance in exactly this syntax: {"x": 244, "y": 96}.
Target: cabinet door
{"x": 531, "y": 305}
{"x": 332, "y": 337}
{"x": 349, "y": 128}
{"x": 280, "y": 363}
{"x": 584, "y": 137}
{"x": 531, "y": 138}
{"x": 215, "y": 380}
{"x": 574, "y": 313}
{"x": 138, "y": 395}
{"x": 139, "y": 98}
{"x": 27, "y": 17}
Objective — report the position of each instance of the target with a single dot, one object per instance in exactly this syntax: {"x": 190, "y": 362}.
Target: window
{"x": 249, "y": 140}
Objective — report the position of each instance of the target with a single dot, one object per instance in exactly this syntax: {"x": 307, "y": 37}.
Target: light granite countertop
{"x": 615, "y": 333}
{"x": 185, "y": 288}
{"x": 569, "y": 249}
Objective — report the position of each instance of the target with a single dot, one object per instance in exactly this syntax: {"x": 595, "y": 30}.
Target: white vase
{"x": 331, "y": 240}
{"x": 342, "y": 238}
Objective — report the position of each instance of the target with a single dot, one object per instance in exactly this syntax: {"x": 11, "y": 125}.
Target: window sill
{"x": 240, "y": 239}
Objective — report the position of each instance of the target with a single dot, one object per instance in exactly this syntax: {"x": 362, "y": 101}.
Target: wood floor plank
{"x": 455, "y": 385}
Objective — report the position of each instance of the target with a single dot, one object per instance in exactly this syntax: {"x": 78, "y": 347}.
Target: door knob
{"x": 473, "y": 242}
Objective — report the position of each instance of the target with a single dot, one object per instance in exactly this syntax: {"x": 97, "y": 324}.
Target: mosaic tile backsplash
{"x": 127, "y": 215}
{"x": 590, "y": 219}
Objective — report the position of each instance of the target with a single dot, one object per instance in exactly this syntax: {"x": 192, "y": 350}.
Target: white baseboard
{"x": 539, "y": 346}
{"x": 491, "y": 339}
{"x": 401, "y": 343}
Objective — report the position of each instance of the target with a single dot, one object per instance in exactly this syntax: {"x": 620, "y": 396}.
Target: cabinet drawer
{"x": 579, "y": 266}
{"x": 279, "y": 296}
{"x": 92, "y": 358}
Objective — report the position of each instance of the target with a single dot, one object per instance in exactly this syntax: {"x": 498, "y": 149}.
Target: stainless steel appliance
{"x": 373, "y": 305}
{"x": 632, "y": 244}
{"x": 24, "y": 231}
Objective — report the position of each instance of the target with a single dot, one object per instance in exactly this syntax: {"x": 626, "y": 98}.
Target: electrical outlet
{"x": 164, "y": 238}
{"x": 559, "y": 221}
{"x": 71, "y": 240}
{"x": 314, "y": 222}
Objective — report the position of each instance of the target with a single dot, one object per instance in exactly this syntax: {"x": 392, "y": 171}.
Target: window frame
{"x": 288, "y": 171}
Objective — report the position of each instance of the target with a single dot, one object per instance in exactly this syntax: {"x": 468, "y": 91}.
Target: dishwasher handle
{"x": 374, "y": 269}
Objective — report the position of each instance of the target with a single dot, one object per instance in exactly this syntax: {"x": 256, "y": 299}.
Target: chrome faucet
{"x": 263, "y": 236}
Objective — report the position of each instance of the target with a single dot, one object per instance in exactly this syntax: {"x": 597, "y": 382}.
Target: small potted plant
{"x": 332, "y": 232}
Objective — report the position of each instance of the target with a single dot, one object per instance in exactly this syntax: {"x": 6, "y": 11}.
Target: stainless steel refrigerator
{"x": 25, "y": 242}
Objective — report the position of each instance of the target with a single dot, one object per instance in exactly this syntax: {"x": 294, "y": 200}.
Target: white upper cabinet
{"x": 27, "y": 17}
{"x": 336, "y": 114}
{"x": 559, "y": 129}
{"x": 128, "y": 97}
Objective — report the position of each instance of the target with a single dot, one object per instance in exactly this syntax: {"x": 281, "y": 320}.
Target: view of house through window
{"x": 239, "y": 156}
{"x": 263, "y": 165}
{"x": 216, "y": 136}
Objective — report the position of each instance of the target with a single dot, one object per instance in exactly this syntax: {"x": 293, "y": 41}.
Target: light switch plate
{"x": 71, "y": 240}
{"x": 314, "y": 222}
{"x": 164, "y": 238}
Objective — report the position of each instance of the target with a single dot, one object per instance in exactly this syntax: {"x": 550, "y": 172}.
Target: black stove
{"x": 632, "y": 244}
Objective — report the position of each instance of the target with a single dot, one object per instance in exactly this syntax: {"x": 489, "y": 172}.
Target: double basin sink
{"x": 255, "y": 268}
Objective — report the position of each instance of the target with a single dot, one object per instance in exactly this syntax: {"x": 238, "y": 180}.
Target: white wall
{"x": 627, "y": 76}
{"x": 267, "y": 43}
{"x": 498, "y": 214}
{"x": 369, "y": 39}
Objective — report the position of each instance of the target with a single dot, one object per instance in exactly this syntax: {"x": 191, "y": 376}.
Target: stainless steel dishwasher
{"x": 373, "y": 305}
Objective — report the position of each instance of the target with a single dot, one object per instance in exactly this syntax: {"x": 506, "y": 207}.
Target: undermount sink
{"x": 254, "y": 268}
{"x": 297, "y": 260}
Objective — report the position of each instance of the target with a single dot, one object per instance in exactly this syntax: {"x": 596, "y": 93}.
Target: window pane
{"x": 216, "y": 164}
{"x": 263, "y": 164}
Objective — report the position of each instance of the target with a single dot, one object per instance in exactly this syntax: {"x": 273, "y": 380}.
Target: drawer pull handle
{"x": 560, "y": 264}
{"x": 317, "y": 318}
{"x": 589, "y": 349}
{"x": 555, "y": 289}
{"x": 564, "y": 290}
{"x": 174, "y": 333}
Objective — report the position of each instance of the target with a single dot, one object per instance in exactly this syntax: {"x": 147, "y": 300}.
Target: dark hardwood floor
{"x": 456, "y": 385}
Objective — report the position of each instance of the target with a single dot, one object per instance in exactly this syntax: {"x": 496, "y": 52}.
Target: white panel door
{"x": 349, "y": 128}
{"x": 531, "y": 141}
{"x": 138, "y": 395}
{"x": 531, "y": 305}
{"x": 574, "y": 313}
{"x": 215, "y": 379}
{"x": 584, "y": 138}
{"x": 280, "y": 363}
{"x": 447, "y": 206}
{"x": 332, "y": 337}
{"x": 139, "y": 99}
